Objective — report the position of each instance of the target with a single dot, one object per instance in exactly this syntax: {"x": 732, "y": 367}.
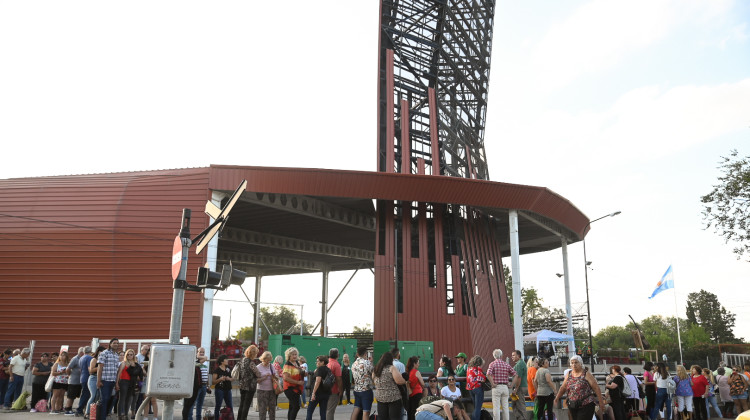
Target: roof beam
{"x": 266, "y": 240}
{"x": 265, "y": 262}
{"x": 312, "y": 207}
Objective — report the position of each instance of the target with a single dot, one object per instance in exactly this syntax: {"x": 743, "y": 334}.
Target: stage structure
{"x": 437, "y": 263}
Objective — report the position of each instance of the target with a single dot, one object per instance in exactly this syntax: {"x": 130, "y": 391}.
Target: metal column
{"x": 256, "y": 318}
{"x": 568, "y": 309}
{"x": 208, "y": 294}
{"x": 324, "y": 306}
{"x": 516, "y": 274}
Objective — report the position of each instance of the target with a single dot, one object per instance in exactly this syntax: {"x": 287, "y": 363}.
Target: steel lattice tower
{"x": 437, "y": 261}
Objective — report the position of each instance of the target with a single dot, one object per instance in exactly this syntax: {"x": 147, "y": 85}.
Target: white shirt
{"x": 451, "y": 395}
{"x": 400, "y": 366}
{"x": 661, "y": 383}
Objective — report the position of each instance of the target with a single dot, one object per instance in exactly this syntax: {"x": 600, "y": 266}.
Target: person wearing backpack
{"x": 320, "y": 392}
{"x": 616, "y": 384}
{"x": 663, "y": 396}
{"x": 633, "y": 401}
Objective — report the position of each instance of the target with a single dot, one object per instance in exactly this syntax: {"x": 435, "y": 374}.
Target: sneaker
{"x": 69, "y": 413}
{"x": 54, "y": 412}
{"x": 33, "y": 410}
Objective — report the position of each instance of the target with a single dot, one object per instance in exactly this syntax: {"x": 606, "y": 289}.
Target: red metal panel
{"x": 89, "y": 256}
{"x": 432, "y": 102}
{"x": 390, "y": 129}
{"x": 405, "y": 138}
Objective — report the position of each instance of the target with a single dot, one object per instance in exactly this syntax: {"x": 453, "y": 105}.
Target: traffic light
{"x": 213, "y": 280}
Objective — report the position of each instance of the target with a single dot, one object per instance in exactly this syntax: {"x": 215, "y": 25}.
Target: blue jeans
{"x": 85, "y": 397}
{"x": 222, "y": 395}
{"x": 198, "y": 404}
{"x": 323, "y": 401}
{"x": 661, "y": 398}
{"x": 3, "y": 389}
{"x": 711, "y": 402}
{"x": 426, "y": 415}
{"x": 106, "y": 395}
{"x": 477, "y": 396}
{"x": 93, "y": 391}
{"x": 14, "y": 390}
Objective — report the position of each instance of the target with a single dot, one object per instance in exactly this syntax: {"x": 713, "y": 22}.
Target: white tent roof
{"x": 546, "y": 335}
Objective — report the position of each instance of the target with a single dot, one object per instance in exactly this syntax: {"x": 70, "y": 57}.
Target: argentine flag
{"x": 666, "y": 282}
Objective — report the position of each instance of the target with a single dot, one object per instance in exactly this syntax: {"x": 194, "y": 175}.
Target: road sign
{"x": 176, "y": 257}
{"x": 220, "y": 217}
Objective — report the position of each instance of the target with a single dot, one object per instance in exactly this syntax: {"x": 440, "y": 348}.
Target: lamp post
{"x": 586, "y": 275}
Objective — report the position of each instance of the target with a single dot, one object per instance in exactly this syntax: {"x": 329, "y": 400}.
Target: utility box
{"x": 171, "y": 371}
{"x": 312, "y": 346}
{"x": 422, "y": 349}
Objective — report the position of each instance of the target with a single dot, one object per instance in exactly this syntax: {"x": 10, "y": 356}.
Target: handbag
{"x": 486, "y": 385}
{"x": 48, "y": 384}
{"x": 276, "y": 387}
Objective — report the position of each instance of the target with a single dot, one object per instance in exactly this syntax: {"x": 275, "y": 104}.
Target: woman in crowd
{"x": 278, "y": 367}
{"x": 320, "y": 394}
{"x": 249, "y": 375}
{"x": 615, "y": 385}
{"x": 266, "y": 396}
{"x": 416, "y": 384}
{"x": 93, "y": 389}
{"x": 305, "y": 368}
{"x": 433, "y": 388}
{"x": 474, "y": 378}
{"x": 700, "y": 390}
{"x": 387, "y": 378}
{"x": 722, "y": 383}
{"x": 661, "y": 376}
{"x": 346, "y": 380}
{"x": 124, "y": 383}
{"x": 545, "y": 390}
{"x": 583, "y": 391}
{"x": 738, "y": 390}
{"x": 633, "y": 402}
{"x": 711, "y": 394}
{"x": 649, "y": 385}
{"x": 684, "y": 393}
{"x": 41, "y": 372}
{"x": 293, "y": 381}
{"x": 450, "y": 391}
{"x": 222, "y": 379}
{"x": 445, "y": 368}
{"x": 60, "y": 384}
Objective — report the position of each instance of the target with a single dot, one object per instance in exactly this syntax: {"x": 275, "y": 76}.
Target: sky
{"x": 616, "y": 106}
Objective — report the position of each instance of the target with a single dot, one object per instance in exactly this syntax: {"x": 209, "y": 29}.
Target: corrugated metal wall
{"x": 89, "y": 256}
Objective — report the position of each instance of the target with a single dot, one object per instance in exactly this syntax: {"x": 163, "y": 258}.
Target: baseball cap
{"x": 462, "y": 354}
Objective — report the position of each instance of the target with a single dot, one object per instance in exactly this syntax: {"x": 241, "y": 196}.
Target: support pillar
{"x": 568, "y": 309}
{"x": 515, "y": 251}
{"x": 256, "y": 318}
{"x": 212, "y": 251}
{"x": 324, "y": 306}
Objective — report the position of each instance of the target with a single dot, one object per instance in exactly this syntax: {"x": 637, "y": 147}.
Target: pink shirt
{"x": 335, "y": 367}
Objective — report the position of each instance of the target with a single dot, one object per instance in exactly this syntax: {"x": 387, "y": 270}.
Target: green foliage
{"x": 367, "y": 329}
{"x": 279, "y": 320}
{"x": 704, "y": 309}
{"x": 614, "y": 337}
{"x": 727, "y": 206}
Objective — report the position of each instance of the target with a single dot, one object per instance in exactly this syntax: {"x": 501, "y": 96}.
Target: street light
{"x": 586, "y": 275}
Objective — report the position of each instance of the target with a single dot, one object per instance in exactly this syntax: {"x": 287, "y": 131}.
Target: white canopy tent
{"x": 547, "y": 335}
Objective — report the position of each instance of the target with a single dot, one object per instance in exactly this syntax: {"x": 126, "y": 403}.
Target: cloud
{"x": 601, "y": 33}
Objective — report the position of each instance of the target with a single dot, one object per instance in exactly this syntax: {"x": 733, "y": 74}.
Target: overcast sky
{"x": 614, "y": 105}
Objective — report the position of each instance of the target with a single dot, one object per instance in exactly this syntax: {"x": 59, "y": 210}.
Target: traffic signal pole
{"x": 178, "y": 298}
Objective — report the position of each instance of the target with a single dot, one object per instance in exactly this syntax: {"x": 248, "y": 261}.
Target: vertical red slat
{"x": 432, "y": 102}
{"x": 390, "y": 129}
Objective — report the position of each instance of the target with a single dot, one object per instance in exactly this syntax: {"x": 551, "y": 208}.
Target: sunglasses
{"x": 433, "y": 380}
{"x": 451, "y": 380}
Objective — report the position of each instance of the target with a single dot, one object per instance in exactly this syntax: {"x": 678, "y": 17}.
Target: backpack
{"x": 328, "y": 381}
{"x": 226, "y": 413}
{"x": 41, "y": 406}
{"x": 485, "y": 415}
{"x": 627, "y": 391}
{"x": 671, "y": 387}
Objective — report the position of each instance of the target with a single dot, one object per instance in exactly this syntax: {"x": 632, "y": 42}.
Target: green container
{"x": 422, "y": 349}
{"x": 312, "y": 346}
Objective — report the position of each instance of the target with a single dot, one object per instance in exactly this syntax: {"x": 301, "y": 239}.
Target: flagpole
{"x": 676, "y": 316}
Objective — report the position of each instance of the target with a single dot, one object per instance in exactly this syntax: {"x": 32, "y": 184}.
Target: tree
{"x": 279, "y": 320}
{"x": 727, "y": 206}
{"x": 704, "y": 309}
{"x": 367, "y": 329}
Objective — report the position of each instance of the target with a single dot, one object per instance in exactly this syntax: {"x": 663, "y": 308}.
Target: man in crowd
{"x": 337, "y": 388}
{"x": 74, "y": 381}
{"x": 521, "y": 372}
{"x": 4, "y": 373}
{"x": 17, "y": 370}
{"x": 363, "y": 395}
{"x": 499, "y": 374}
{"x": 83, "y": 364}
{"x": 108, "y": 361}
{"x": 396, "y": 362}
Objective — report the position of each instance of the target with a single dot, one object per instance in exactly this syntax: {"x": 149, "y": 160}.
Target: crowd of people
{"x": 112, "y": 381}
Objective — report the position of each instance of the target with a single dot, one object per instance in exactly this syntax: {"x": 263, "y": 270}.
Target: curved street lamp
{"x": 586, "y": 275}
